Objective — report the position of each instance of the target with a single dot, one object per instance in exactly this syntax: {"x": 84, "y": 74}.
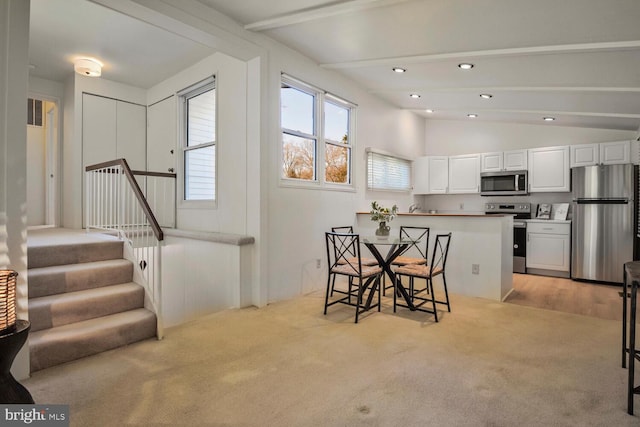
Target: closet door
{"x": 98, "y": 130}
{"x": 131, "y": 134}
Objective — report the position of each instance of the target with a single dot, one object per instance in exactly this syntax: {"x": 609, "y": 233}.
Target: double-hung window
{"x": 199, "y": 142}
{"x": 317, "y": 136}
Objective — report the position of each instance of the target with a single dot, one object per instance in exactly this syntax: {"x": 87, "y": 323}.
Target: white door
{"x": 161, "y": 157}
{"x": 51, "y": 167}
{"x": 131, "y": 134}
{"x": 98, "y": 130}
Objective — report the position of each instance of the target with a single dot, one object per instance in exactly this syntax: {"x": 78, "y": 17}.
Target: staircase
{"x": 82, "y": 300}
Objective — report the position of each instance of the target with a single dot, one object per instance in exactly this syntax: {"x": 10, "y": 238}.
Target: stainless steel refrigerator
{"x": 603, "y": 221}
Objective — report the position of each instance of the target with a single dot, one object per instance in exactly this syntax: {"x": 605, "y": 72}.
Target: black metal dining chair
{"x": 364, "y": 260}
{"x": 362, "y": 279}
{"x": 415, "y": 253}
{"x": 427, "y": 272}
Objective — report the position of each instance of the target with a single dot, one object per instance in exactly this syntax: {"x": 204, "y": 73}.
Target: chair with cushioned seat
{"x": 361, "y": 278}
{"x": 415, "y": 253}
{"x": 365, "y": 261}
{"x": 427, "y": 272}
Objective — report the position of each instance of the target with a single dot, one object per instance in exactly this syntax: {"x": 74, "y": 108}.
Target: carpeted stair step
{"x": 62, "y": 344}
{"x": 76, "y": 277}
{"x": 73, "y": 253}
{"x": 61, "y": 309}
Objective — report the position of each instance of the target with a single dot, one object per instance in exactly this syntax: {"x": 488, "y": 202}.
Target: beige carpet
{"x": 484, "y": 364}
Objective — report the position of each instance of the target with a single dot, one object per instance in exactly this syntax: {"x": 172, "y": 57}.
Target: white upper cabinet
{"x": 606, "y": 153}
{"x": 515, "y": 160}
{"x": 464, "y": 174}
{"x": 504, "y": 161}
{"x": 431, "y": 175}
{"x": 438, "y": 174}
{"x": 614, "y": 153}
{"x": 549, "y": 169}
{"x": 492, "y": 162}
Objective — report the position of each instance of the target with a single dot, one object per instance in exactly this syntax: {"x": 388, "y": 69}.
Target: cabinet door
{"x": 548, "y": 251}
{"x": 515, "y": 160}
{"x": 613, "y": 153}
{"x": 584, "y": 155}
{"x": 464, "y": 174}
{"x": 131, "y": 134}
{"x": 421, "y": 175}
{"x": 549, "y": 169}
{"x": 491, "y": 162}
{"x": 98, "y": 130}
{"x": 438, "y": 174}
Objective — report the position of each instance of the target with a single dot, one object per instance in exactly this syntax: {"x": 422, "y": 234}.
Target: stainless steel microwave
{"x": 508, "y": 183}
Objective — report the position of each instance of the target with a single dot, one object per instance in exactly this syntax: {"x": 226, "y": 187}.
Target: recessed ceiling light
{"x": 399, "y": 70}
{"x": 429, "y": 110}
{"x": 465, "y": 66}
{"x": 486, "y": 96}
{"x": 549, "y": 119}
{"x": 472, "y": 116}
{"x": 415, "y": 95}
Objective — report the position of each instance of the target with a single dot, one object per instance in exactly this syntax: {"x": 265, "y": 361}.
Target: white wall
{"x": 230, "y": 215}
{"x": 73, "y": 175}
{"x": 14, "y": 33}
{"x": 451, "y": 137}
{"x": 36, "y": 155}
{"x": 298, "y": 218}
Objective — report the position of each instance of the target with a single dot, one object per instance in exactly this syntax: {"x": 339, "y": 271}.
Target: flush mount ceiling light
{"x": 399, "y": 70}
{"x": 472, "y": 116}
{"x": 414, "y": 96}
{"x": 549, "y": 119}
{"x": 465, "y": 66}
{"x": 88, "y": 67}
{"x": 486, "y": 96}
{"x": 429, "y": 110}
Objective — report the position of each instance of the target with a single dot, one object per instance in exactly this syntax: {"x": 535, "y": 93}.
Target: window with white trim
{"x": 199, "y": 141}
{"x": 317, "y": 136}
{"x": 387, "y": 172}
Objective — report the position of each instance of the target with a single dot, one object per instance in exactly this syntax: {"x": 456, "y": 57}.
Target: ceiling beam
{"x": 519, "y": 51}
{"x": 537, "y": 112}
{"x": 320, "y": 12}
{"x": 509, "y": 89}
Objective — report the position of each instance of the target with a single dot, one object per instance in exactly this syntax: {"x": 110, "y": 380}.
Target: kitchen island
{"x": 484, "y": 240}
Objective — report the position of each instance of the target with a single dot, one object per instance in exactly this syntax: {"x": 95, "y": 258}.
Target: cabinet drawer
{"x": 548, "y": 228}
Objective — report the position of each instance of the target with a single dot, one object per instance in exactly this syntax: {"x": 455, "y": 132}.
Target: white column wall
{"x": 14, "y": 33}
{"x": 230, "y": 215}
{"x": 298, "y": 218}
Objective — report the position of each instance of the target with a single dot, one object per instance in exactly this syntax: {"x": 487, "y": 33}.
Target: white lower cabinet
{"x": 549, "y": 246}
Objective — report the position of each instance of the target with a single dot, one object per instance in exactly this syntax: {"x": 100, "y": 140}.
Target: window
{"x": 199, "y": 142}
{"x": 317, "y": 141}
{"x": 34, "y": 112}
{"x": 387, "y": 172}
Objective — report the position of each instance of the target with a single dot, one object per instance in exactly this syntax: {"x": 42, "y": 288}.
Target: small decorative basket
{"x": 7, "y": 301}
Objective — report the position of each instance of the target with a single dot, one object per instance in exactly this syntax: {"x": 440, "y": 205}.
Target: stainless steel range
{"x": 520, "y": 211}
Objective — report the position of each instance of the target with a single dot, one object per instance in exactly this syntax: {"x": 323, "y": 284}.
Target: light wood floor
{"x": 552, "y": 293}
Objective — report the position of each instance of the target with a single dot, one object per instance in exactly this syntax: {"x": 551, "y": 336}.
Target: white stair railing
{"x": 115, "y": 203}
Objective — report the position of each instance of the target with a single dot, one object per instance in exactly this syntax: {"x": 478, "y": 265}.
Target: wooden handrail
{"x": 136, "y": 190}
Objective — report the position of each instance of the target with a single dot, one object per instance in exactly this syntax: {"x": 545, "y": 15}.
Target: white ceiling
{"x": 133, "y": 52}
{"x": 575, "y": 60}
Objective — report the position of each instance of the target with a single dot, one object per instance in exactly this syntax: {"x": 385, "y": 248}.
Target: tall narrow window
{"x": 199, "y": 146}
{"x": 316, "y": 135}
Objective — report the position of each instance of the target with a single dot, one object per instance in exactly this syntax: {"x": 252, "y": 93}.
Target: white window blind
{"x": 387, "y": 172}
